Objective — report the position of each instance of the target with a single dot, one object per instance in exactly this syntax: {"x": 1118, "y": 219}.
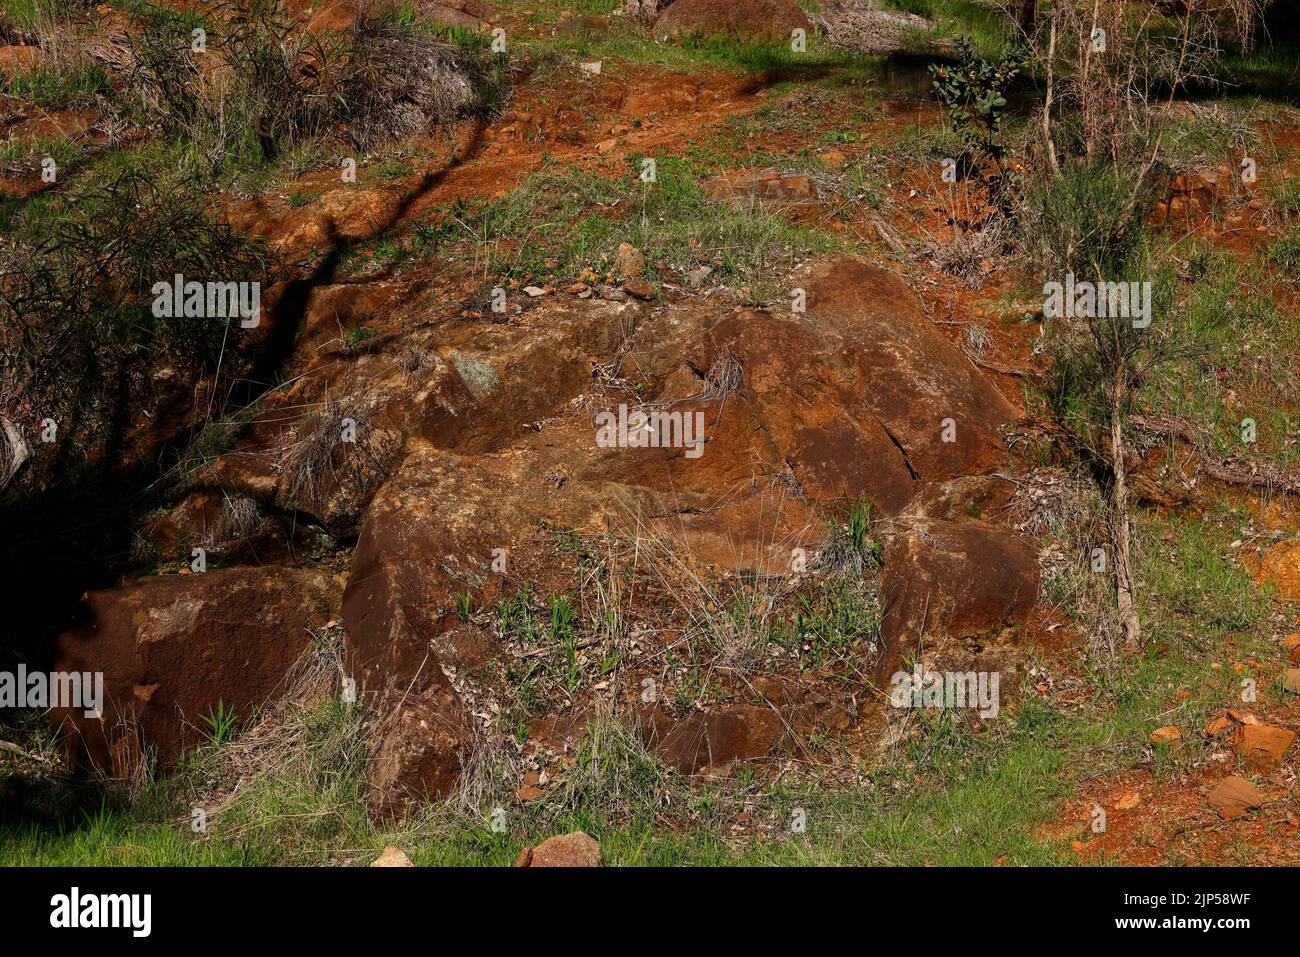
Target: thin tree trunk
{"x": 1085, "y": 86}
{"x": 1048, "y": 144}
{"x": 1121, "y": 535}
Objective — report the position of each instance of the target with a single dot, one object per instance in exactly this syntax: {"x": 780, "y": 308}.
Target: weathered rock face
{"x": 771, "y": 20}
{"x": 952, "y": 581}
{"x": 910, "y": 377}
{"x": 861, "y": 395}
{"x": 801, "y": 413}
{"x": 478, "y": 439}
{"x": 715, "y": 739}
{"x": 810, "y": 413}
{"x": 419, "y": 747}
{"x": 174, "y": 646}
{"x": 326, "y": 444}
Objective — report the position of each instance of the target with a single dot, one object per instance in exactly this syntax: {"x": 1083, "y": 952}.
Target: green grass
{"x": 1235, "y": 349}
{"x": 563, "y": 220}
{"x": 30, "y": 15}
{"x": 622, "y": 44}
{"x": 981, "y": 23}
{"x": 57, "y": 88}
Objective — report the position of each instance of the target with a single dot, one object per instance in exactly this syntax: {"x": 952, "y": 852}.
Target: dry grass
{"x": 723, "y": 379}
{"x": 1066, "y": 508}
{"x": 297, "y": 767}
{"x": 969, "y": 253}
{"x": 400, "y": 84}
{"x": 240, "y": 516}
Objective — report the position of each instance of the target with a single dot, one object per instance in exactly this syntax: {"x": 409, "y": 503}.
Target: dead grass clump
{"x": 400, "y": 84}
{"x": 490, "y": 775}
{"x": 970, "y": 253}
{"x": 723, "y": 379}
{"x": 239, "y": 516}
{"x": 307, "y": 466}
{"x": 1067, "y": 510}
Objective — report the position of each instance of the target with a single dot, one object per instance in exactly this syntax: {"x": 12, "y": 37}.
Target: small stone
{"x": 613, "y": 294}
{"x": 695, "y": 278}
{"x": 639, "y": 288}
{"x": 1217, "y": 726}
{"x": 1291, "y": 680}
{"x": 629, "y": 263}
{"x": 567, "y": 850}
{"x": 1260, "y": 746}
{"x": 593, "y": 67}
{"x": 392, "y": 857}
{"x": 1234, "y": 796}
{"x": 534, "y": 291}
{"x": 1166, "y": 735}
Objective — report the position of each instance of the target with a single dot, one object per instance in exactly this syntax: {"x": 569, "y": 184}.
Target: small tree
{"x": 1107, "y": 67}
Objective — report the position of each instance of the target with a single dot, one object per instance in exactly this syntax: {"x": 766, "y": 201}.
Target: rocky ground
{"x": 372, "y": 576}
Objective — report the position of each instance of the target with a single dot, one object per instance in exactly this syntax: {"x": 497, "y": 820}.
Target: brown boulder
{"x": 1234, "y": 796}
{"x": 941, "y": 580}
{"x": 910, "y": 377}
{"x": 16, "y": 60}
{"x": 769, "y": 20}
{"x": 418, "y": 747}
{"x": 172, "y": 647}
{"x": 806, "y": 412}
{"x": 1260, "y": 747}
{"x": 714, "y": 739}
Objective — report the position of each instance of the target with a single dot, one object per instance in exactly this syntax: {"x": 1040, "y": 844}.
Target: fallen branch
{"x": 1266, "y": 477}
{"x": 21, "y": 752}
{"x": 1024, "y": 372}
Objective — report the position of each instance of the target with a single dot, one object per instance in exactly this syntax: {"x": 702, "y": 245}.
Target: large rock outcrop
{"x": 858, "y": 396}
{"x": 176, "y": 648}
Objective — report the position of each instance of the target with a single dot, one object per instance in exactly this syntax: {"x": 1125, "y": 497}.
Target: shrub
{"x": 76, "y": 323}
